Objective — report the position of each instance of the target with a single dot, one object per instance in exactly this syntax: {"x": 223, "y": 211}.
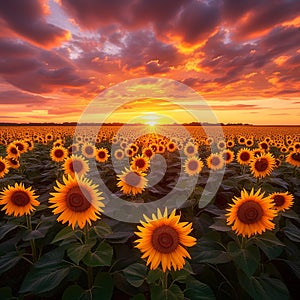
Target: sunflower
{"x": 161, "y": 149}
{"x": 221, "y": 145}
{"x": 215, "y": 161}
{"x": 21, "y": 146}
{"x": 262, "y": 165}
{"x": 88, "y": 150}
{"x": 228, "y": 156}
{"x": 77, "y": 201}
{"x": 140, "y": 163}
{"x": 101, "y": 155}
{"x": 12, "y": 150}
{"x": 163, "y": 239}
{"x": 18, "y": 200}
{"x": 72, "y": 149}
{"x": 264, "y": 145}
{"x": 58, "y": 153}
{"x": 13, "y": 162}
{"x": 129, "y": 152}
{"x": 4, "y": 167}
{"x": 258, "y": 151}
{"x": 241, "y": 140}
{"x": 119, "y": 154}
{"x": 249, "y": 142}
{"x": 244, "y": 156}
{"x": 30, "y": 144}
{"x": 193, "y": 166}
{"x": 190, "y": 149}
{"x": 132, "y": 182}
{"x": 148, "y": 152}
{"x": 171, "y": 146}
{"x": 282, "y": 201}
{"x": 293, "y": 158}
{"x": 76, "y": 164}
{"x": 230, "y": 143}
{"x": 251, "y": 213}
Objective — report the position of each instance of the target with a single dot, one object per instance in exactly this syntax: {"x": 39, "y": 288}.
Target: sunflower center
{"x": 59, "y": 153}
{"x": 14, "y": 151}
{"x": 261, "y": 164}
{"x": 20, "y": 146}
{"x": 89, "y": 150}
{"x": 76, "y": 166}
{"x": 140, "y": 163}
{"x": 279, "y": 200}
{"x": 101, "y": 154}
{"x": 119, "y": 154}
{"x": 226, "y": 156}
{"x": 148, "y": 153}
{"x": 2, "y": 166}
{"x": 132, "y": 179}
{"x": 171, "y": 146}
{"x": 190, "y": 149}
{"x": 221, "y": 145}
{"x": 193, "y": 165}
{"x": 215, "y": 161}
{"x": 250, "y": 212}
{"x": 20, "y": 198}
{"x": 245, "y": 156}
{"x": 165, "y": 239}
{"x": 264, "y": 145}
{"x": 76, "y": 199}
{"x": 13, "y": 161}
{"x": 296, "y": 156}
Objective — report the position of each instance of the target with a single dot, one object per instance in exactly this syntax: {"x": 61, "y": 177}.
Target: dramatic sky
{"x": 241, "y": 56}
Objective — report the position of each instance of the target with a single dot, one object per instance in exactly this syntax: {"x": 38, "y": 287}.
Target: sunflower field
{"x": 140, "y": 213}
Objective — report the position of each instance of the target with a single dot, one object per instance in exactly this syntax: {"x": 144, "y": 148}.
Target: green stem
{"x": 32, "y": 241}
{"x": 89, "y": 269}
{"x": 243, "y": 243}
{"x": 165, "y": 280}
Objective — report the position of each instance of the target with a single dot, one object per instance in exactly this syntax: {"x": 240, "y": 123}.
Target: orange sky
{"x": 242, "y": 59}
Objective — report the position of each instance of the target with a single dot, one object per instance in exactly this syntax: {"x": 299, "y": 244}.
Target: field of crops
{"x": 144, "y": 212}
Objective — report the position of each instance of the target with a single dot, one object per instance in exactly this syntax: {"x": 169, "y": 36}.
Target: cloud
{"x": 27, "y": 20}
{"x": 18, "y": 97}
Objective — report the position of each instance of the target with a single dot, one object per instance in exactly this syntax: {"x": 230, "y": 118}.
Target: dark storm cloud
{"x": 27, "y": 19}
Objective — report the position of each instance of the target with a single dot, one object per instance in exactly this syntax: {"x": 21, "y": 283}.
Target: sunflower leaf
{"x": 73, "y": 292}
{"x": 102, "y": 256}
{"x": 292, "y": 232}
{"x": 65, "y": 233}
{"x": 135, "y": 274}
{"x": 246, "y": 259}
{"x": 9, "y": 260}
{"x": 6, "y": 228}
{"x": 172, "y": 293}
{"x": 196, "y": 290}
{"x": 77, "y": 251}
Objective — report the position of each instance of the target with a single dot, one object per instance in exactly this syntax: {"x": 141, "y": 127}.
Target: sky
{"x": 241, "y": 57}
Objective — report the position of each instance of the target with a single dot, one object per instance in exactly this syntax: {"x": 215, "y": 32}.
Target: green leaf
{"x": 103, "y": 286}
{"x": 154, "y": 276}
{"x": 102, "y": 256}
{"x": 269, "y": 237}
{"x": 263, "y": 287}
{"x": 6, "y": 293}
{"x": 292, "y": 232}
{"x": 172, "y": 293}
{"x": 246, "y": 259}
{"x": 291, "y": 215}
{"x": 220, "y": 225}
{"x": 211, "y": 257}
{"x": 65, "y": 233}
{"x": 295, "y": 266}
{"x": 102, "y": 229}
{"x": 135, "y": 274}
{"x": 47, "y": 273}
{"x": 138, "y": 297}
{"x": 6, "y": 228}
{"x": 183, "y": 274}
{"x": 9, "y": 260}
{"x": 278, "y": 182}
{"x": 35, "y": 234}
{"x": 196, "y": 290}
{"x": 77, "y": 252}
{"x": 73, "y": 292}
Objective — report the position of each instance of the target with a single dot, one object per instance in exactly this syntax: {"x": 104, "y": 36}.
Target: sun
{"x": 151, "y": 123}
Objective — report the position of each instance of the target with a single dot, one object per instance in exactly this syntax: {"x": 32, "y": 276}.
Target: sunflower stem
{"x": 32, "y": 241}
{"x": 243, "y": 243}
{"x": 89, "y": 269}
{"x": 165, "y": 280}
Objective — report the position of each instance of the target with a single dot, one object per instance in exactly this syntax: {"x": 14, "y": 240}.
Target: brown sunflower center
{"x": 264, "y": 145}
{"x": 59, "y": 153}
{"x": 140, "y": 163}
{"x": 193, "y": 165}
{"x": 296, "y": 156}
{"x": 242, "y": 140}
{"x": 13, "y": 161}
{"x": 20, "y": 198}
{"x": 165, "y": 239}
{"x": 101, "y": 154}
{"x": 148, "y": 153}
{"x": 215, "y": 161}
{"x": 77, "y": 200}
{"x": 119, "y": 154}
{"x": 20, "y": 146}
{"x": 89, "y": 150}
{"x": 171, "y": 146}
{"x": 250, "y": 212}
{"x": 190, "y": 149}
{"x": 245, "y": 156}
{"x": 221, "y": 145}
{"x": 2, "y": 166}
{"x": 226, "y": 156}
{"x": 279, "y": 200}
{"x": 132, "y": 179}
{"x": 76, "y": 166}
{"x": 14, "y": 151}
{"x": 261, "y": 165}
